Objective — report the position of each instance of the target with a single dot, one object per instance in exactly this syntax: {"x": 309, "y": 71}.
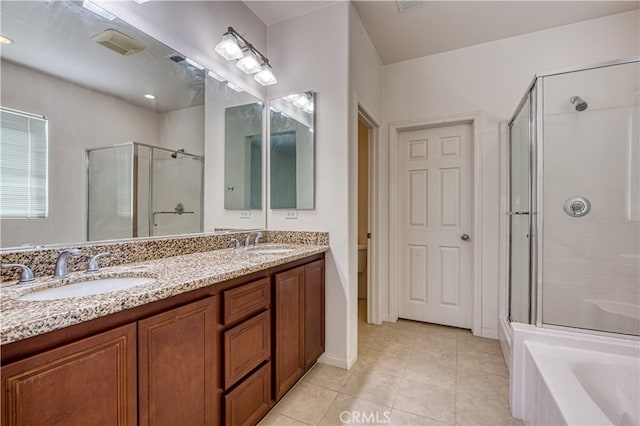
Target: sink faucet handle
{"x": 236, "y": 243}
{"x": 26, "y": 276}
{"x": 257, "y": 240}
{"x": 92, "y": 266}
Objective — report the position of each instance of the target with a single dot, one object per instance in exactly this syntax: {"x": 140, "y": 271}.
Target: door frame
{"x": 475, "y": 120}
{"x": 374, "y": 308}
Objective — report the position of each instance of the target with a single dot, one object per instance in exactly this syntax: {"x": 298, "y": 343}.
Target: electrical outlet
{"x": 245, "y": 214}
{"x": 292, "y": 214}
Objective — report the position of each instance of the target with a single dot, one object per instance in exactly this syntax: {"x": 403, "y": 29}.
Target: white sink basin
{"x": 270, "y": 249}
{"x": 86, "y": 288}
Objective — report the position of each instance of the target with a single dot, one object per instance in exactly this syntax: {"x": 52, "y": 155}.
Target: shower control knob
{"x": 464, "y": 237}
{"x": 577, "y": 206}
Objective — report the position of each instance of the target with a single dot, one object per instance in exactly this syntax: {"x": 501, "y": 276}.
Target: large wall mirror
{"x": 127, "y": 109}
{"x": 243, "y": 157}
{"x": 291, "y": 152}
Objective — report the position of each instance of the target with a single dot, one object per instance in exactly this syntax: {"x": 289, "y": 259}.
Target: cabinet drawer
{"x": 245, "y": 347}
{"x": 247, "y": 403}
{"x": 243, "y": 301}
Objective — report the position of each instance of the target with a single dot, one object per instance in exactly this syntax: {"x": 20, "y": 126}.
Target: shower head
{"x": 175, "y": 153}
{"x": 580, "y": 103}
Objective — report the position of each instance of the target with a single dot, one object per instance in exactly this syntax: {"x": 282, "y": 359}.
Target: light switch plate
{"x": 292, "y": 214}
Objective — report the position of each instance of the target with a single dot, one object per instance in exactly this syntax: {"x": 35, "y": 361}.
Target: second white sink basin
{"x": 87, "y": 288}
{"x": 270, "y": 249}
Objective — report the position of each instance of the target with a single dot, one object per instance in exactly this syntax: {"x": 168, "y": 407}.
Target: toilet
{"x": 362, "y": 271}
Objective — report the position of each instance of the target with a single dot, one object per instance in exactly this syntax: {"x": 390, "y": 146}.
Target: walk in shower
{"x": 574, "y": 201}
{"x": 138, "y": 190}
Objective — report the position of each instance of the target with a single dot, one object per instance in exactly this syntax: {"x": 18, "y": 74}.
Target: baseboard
{"x": 336, "y": 361}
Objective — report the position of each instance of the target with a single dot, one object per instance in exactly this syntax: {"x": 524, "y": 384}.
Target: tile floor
{"x": 407, "y": 373}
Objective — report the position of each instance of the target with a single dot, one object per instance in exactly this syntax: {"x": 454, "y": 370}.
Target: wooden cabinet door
{"x": 176, "y": 366}
{"x": 88, "y": 382}
{"x": 313, "y": 312}
{"x": 289, "y": 329}
{"x": 246, "y": 346}
{"x": 250, "y": 401}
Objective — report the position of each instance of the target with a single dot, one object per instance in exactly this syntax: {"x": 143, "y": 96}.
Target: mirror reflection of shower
{"x": 139, "y": 190}
{"x": 175, "y": 153}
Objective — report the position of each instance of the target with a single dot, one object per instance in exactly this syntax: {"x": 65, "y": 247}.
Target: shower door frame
{"x": 134, "y": 192}
{"x": 532, "y": 96}
{"x": 536, "y": 216}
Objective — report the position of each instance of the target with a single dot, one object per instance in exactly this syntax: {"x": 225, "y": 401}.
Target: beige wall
{"x": 79, "y": 118}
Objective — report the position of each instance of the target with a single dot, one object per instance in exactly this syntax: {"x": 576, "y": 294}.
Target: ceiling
{"x": 54, "y": 38}
{"x": 438, "y": 26}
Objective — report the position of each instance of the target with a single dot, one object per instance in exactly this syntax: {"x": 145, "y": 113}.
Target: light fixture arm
{"x": 247, "y": 45}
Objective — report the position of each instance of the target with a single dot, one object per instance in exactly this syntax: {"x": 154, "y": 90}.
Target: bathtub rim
{"x": 521, "y": 373}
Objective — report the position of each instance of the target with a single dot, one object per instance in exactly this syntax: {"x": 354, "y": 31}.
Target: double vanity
{"x": 211, "y": 337}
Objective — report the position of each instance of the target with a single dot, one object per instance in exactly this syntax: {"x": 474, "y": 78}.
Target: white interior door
{"x": 435, "y": 230}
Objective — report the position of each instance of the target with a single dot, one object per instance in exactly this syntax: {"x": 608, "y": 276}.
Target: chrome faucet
{"x": 62, "y": 268}
{"x": 92, "y": 266}
{"x": 236, "y": 244}
{"x": 26, "y": 276}
{"x": 247, "y": 240}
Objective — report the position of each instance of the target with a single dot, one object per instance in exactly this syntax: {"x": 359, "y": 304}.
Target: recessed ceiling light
{"x": 149, "y": 96}
{"x": 5, "y": 40}
{"x": 141, "y": 1}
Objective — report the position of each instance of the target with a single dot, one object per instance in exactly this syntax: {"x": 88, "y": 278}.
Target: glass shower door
{"x": 591, "y": 205}
{"x": 519, "y": 199}
{"x": 176, "y": 193}
{"x": 110, "y": 196}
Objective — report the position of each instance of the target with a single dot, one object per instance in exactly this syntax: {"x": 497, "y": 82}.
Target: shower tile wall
{"x": 591, "y": 264}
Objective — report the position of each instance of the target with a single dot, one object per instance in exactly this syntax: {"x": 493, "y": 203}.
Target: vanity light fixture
{"x": 5, "y": 40}
{"x": 89, "y": 5}
{"x": 233, "y": 46}
{"x": 265, "y": 76}
{"x": 249, "y": 63}
{"x": 228, "y": 48}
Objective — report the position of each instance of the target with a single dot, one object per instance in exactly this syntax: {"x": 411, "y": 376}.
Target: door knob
{"x": 464, "y": 237}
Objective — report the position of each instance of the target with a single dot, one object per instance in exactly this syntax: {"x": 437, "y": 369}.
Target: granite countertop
{"x": 173, "y": 276}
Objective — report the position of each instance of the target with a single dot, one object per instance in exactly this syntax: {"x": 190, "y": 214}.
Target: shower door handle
{"x": 464, "y": 237}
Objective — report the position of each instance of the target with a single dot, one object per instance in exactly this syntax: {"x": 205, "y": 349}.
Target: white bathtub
{"x": 584, "y": 387}
{"x": 562, "y": 377}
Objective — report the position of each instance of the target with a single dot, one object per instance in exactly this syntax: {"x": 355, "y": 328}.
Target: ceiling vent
{"x": 406, "y": 5}
{"x": 118, "y": 42}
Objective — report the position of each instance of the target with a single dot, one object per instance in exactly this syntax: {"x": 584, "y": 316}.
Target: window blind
{"x": 23, "y": 165}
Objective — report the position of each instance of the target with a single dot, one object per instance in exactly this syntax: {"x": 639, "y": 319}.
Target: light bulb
{"x": 265, "y": 76}
{"x": 228, "y": 48}
{"x": 308, "y": 107}
{"x": 249, "y": 63}
{"x": 301, "y": 101}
